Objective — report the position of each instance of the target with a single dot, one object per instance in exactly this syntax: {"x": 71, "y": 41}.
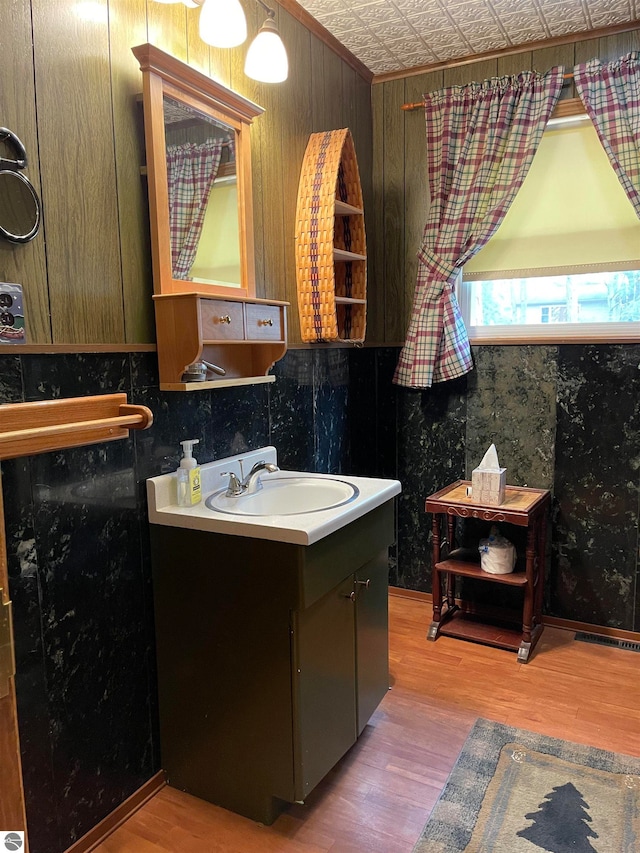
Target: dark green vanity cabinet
{"x": 271, "y": 657}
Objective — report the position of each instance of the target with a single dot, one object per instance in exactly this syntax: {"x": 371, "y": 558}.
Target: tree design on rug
{"x": 560, "y": 824}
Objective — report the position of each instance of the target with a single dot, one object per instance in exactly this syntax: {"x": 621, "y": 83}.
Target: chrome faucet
{"x": 251, "y": 482}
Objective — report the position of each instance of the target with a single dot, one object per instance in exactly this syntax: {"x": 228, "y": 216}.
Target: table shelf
{"x": 473, "y": 570}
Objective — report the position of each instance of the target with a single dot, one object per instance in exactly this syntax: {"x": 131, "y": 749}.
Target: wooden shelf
{"x": 331, "y": 255}
{"x": 465, "y": 626}
{"x": 216, "y": 383}
{"x": 347, "y": 300}
{"x": 341, "y": 208}
{"x": 473, "y": 570}
{"x": 343, "y": 255}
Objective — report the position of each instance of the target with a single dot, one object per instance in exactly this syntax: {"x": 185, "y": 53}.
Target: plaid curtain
{"x": 191, "y": 171}
{"x": 481, "y": 139}
{"x": 611, "y": 96}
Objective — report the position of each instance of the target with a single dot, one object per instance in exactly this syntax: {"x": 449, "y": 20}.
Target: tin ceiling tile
{"x": 389, "y": 35}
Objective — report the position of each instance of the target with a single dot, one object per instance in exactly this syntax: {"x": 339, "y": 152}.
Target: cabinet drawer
{"x": 264, "y": 322}
{"x": 221, "y": 320}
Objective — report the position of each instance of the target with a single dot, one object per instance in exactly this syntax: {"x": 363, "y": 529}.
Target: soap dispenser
{"x": 189, "y": 485}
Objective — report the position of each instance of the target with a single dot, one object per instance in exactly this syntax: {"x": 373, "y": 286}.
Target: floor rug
{"x": 513, "y": 791}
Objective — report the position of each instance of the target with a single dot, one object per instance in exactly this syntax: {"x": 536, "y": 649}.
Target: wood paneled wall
{"x": 400, "y": 184}
{"x": 68, "y": 89}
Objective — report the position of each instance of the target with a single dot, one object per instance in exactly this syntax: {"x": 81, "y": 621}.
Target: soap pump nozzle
{"x": 187, "y": 460}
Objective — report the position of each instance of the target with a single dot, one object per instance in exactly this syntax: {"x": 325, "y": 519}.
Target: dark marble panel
{"x": 595, "y": 534}
{"x": 96, "y": 646}
{"x": 239, "y": 420}
{"x": 144, "y": 370}
{"x": 372, "y": 412}
{"x": 387, "y": 409}
{"x": 363, "y": 411}
{"x": 431, "y": 447}
{"x": 48, "y": 377}
{"x": 31, "y": 683}
{"x": 11, "y": 387}
{"x": 291, "y": 410}
{"x": 512, "y": 404}
{"x": 176, "y": 417}
{"x": 331, "y": 394}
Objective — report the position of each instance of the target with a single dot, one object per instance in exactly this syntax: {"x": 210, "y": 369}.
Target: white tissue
{"x": 490, "y": 460}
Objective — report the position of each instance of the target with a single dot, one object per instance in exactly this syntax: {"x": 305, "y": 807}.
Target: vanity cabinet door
{"x": 324, "y": 679}
{"x": 372, "y": 638}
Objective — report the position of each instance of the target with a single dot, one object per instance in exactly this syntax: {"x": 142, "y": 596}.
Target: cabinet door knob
{"x": 366, "y": 584}
{"x": 225, "y": 319}
{"x": 267, "y": 322}
{"x": 351, "y": 596}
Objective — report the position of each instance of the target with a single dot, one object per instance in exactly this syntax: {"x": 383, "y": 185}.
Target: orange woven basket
{"x": 331, "y": 267}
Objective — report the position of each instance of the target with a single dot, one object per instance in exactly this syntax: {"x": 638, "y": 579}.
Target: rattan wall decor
{"x": 331, "y": 260}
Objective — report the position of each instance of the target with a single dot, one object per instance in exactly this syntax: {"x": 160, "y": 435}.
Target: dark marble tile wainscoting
{"x": 563, "y": 417}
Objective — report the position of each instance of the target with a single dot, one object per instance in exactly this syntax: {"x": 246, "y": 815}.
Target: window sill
{"x": 615, "y": 333}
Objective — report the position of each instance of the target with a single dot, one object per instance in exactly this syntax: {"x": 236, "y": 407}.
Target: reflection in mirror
{"x": 203, "y": 196}
{"x": 19, "y": 207}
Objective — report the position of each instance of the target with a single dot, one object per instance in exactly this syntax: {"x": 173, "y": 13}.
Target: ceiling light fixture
{"x": 267, "y": 58}
{"x": 223, "y": 24}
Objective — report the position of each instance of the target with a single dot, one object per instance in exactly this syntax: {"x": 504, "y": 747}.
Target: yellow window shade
{"x": 570, "y": 216}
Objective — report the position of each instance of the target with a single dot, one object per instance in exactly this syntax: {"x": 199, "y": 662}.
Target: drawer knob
{"x": 225, "y": 319}
{"x": 267, "y": 322}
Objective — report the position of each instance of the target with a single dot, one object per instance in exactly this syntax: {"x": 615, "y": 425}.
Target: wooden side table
{"x": 521, "y": 506}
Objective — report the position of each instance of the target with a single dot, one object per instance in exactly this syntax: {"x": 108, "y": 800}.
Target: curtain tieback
{"x": 438, "y": 267}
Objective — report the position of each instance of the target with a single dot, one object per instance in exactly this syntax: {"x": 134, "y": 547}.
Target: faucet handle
{"x": 234, "y": 489}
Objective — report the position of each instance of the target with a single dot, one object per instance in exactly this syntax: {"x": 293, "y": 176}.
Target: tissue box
{"x": 487, "y": 487}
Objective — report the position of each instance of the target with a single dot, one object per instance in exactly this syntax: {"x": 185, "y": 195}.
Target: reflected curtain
{"x": 611, "y": 95}
{"x": 481, "y": 139}
{"x": 191, "y": 171}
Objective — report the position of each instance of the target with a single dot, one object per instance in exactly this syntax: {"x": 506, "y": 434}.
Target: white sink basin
{"x": 287, "y": 496}
{"x": 299, "y": 507}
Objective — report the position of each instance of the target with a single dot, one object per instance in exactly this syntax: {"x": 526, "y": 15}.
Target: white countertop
{"x": 301, "y": 529}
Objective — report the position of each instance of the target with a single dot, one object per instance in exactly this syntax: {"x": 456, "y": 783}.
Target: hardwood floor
{"x": 380, "y": 795}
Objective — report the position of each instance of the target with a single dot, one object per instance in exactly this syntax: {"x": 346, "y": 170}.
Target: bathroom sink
{"x": 287, "y": 496}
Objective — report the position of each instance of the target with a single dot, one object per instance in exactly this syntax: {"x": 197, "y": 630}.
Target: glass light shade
{"x": 267, "y": 58}
{"x": 222, "y": 23}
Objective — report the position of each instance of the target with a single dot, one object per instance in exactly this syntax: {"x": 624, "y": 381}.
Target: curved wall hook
{"x": 9, "y": 136}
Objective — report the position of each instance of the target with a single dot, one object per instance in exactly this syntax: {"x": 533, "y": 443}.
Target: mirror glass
{"x": 19, "y": 207}
{"x": 203, "y": 196}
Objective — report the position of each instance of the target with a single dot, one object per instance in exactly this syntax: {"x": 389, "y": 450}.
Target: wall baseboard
{"x": 551, "y": 621}
{"x": 119, "y": 815}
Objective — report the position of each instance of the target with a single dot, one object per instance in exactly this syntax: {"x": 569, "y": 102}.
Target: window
{"x": 565, "y": 262}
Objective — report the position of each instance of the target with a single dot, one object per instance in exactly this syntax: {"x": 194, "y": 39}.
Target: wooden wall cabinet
{"x": 243, "y": 336}
{"x": 211, "y": 312}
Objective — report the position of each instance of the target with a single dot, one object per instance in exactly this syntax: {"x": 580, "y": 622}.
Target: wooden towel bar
{"x": 29, "y": 428}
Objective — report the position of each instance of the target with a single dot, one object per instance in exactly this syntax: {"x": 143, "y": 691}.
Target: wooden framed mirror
{"x": 211, "y": 329}
{"x": 199, "y": 174}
